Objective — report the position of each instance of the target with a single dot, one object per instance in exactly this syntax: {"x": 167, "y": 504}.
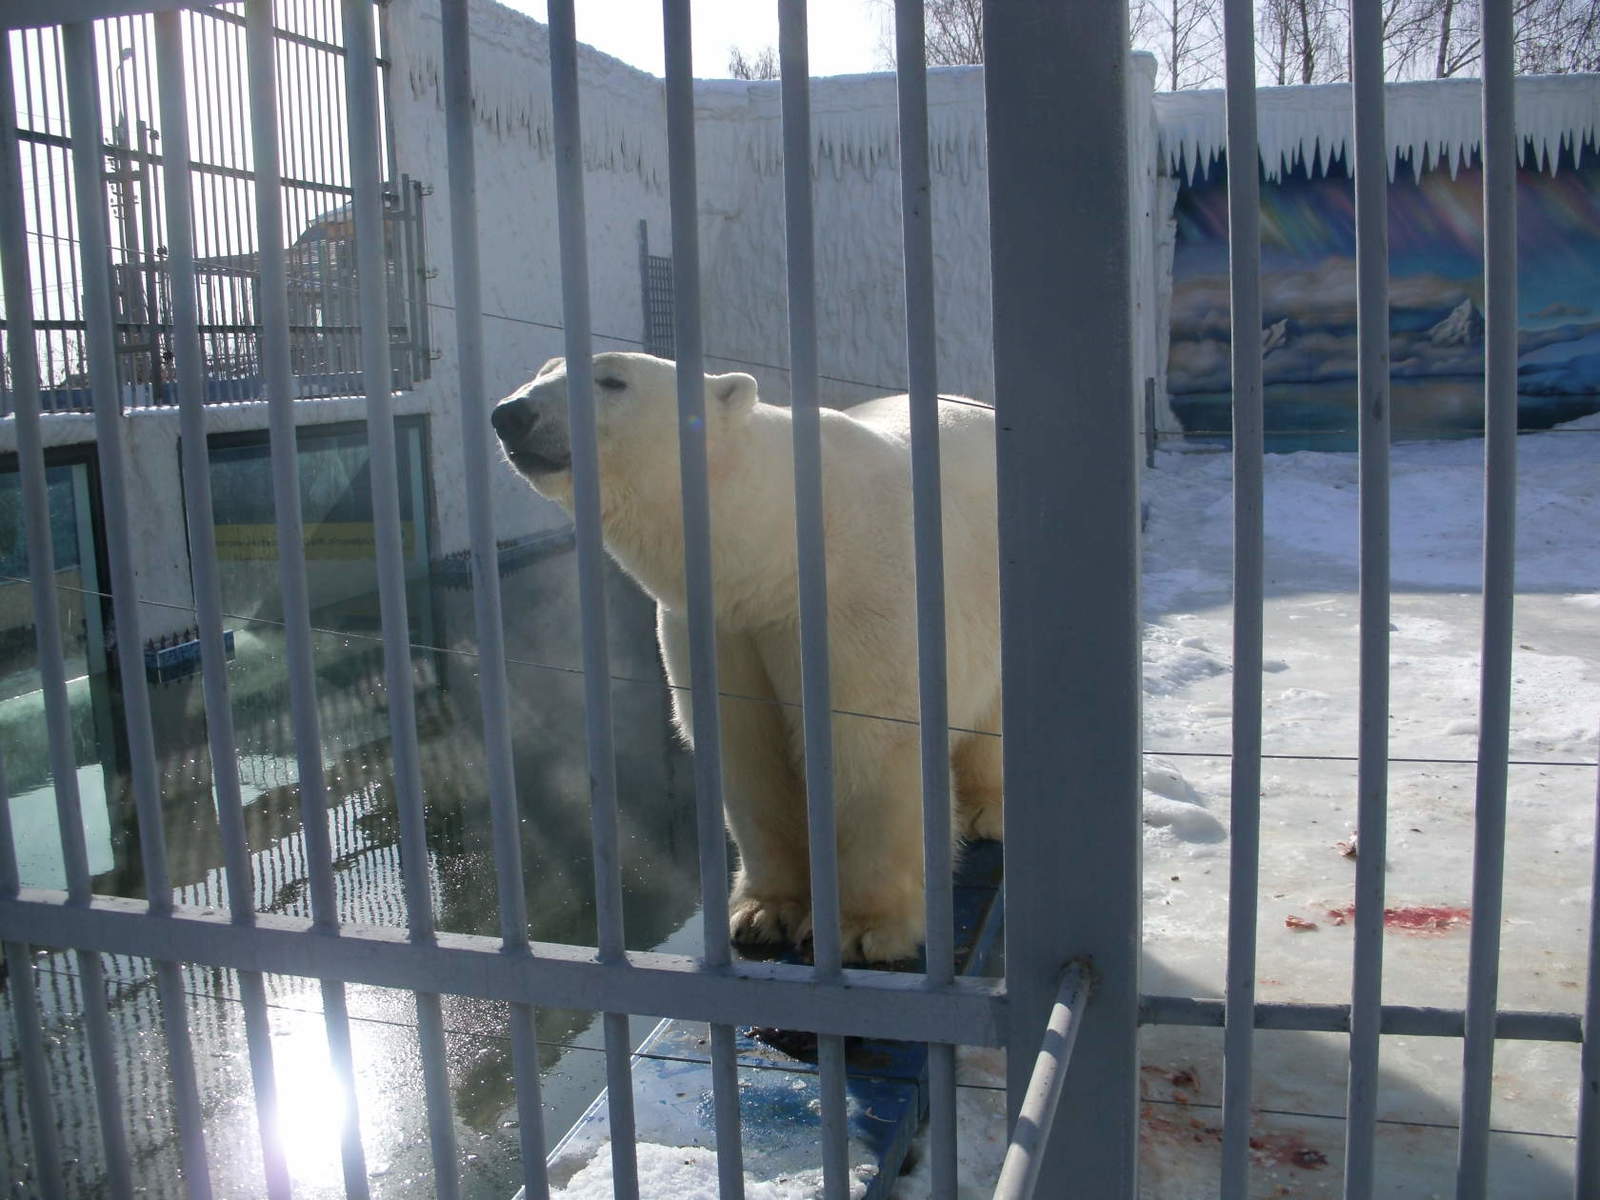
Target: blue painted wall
{"x": 1436, "y": 299}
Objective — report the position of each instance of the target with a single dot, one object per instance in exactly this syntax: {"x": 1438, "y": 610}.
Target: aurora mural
{"x": 1436, "y": 298}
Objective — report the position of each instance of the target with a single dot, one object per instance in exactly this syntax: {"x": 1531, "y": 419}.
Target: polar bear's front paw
{"x": 764, "y": 920}
{"x": 981, "y": 818}
{"x": 877, "y": 938}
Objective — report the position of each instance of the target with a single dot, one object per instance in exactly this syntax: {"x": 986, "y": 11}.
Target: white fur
{"x": 871, "y": 626}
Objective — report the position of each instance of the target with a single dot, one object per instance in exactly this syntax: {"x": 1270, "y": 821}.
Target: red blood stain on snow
{"x": 1286, "y": 1149}
{"x": 1421, "y": 918}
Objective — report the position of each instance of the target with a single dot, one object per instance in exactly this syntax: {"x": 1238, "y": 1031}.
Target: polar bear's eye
{"x": 612, "y": 384}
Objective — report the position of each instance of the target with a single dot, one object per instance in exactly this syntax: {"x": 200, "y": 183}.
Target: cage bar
{"x": 171, "y": 73}
{"x": 278, "y": 384}
{"x": 83, "y": 102}
{"x": 462, "y": 164}
{"x": 1499, "y": 580}
{"x": 688, "y": 346}
{"x": 816, "y": 702}
{"x": 1587, "y": 1175}
{"x": 361, "y": 102}
{"x": 922, "y": 362}
{"x": 1244, "y": 825}
{"x": 1372, "y": 332}
{"x": 568, "y": 139}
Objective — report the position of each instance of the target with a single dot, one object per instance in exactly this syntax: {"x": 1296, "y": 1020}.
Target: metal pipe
{"x": 1019, "y": 1172}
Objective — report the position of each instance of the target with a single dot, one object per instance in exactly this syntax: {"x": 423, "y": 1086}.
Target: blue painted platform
{"x": 778, "y": 1086}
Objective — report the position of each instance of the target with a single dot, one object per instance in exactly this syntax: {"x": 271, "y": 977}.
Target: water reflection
{"x": 658, "y": 861}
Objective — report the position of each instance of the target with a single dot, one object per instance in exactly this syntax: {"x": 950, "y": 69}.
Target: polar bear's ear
{"x": 734, "y": 393}
{"x": 552, "y": 365}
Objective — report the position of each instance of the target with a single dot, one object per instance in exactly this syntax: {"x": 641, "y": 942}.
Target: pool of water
{"x": 660, "y": 888}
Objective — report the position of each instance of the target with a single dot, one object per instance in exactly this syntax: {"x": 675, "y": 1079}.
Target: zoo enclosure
{"x": 1072, "y": 702}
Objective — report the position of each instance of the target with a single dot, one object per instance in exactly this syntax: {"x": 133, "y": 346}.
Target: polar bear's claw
{"x": 759, "y": 921}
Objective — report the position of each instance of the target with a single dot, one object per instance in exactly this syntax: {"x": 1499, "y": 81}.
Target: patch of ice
{"x": 690, "y": 1173}
{"x": 1585, "y": 599}
{"x": 1173, "y": 662}
{"x": 1188, "y": 821}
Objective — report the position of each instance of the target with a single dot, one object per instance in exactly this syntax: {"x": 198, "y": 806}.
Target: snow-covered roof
{"x": 1435, "y": 122}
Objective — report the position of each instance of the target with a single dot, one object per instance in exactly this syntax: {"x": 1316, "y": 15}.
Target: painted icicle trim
{"x": 1432, "y": 123}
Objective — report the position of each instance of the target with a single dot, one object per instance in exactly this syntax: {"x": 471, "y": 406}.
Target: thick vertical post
{"x": 1244, "y": 847}
{"x": 1499, "y": 585}
{"x": 1372, "y": 780}
{"x": 1068, "y": 497}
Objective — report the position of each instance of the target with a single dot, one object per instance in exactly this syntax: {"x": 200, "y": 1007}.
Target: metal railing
{"x": 315, "y": 237}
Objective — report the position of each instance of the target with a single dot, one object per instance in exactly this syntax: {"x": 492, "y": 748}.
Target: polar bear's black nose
{"x": 513, "y": 420}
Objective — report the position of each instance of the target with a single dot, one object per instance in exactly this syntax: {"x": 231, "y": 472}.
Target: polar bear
{"x": 871, "y": 622}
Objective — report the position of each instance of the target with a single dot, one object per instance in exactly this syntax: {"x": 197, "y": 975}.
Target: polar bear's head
{"x": 636, "y": 425}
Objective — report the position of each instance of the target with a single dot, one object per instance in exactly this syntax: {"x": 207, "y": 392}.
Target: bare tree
{"x": 1184, "y": 35}
{"x": 952, "y": 31}
{"x": 761, "y": 65}
{"x": 1301, "y": 41}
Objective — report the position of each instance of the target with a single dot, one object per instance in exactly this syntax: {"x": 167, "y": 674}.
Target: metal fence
{"x": 316, "y": 239}
{"x": 1071, "y": 705}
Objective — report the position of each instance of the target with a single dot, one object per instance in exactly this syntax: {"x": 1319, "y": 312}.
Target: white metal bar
{"x": 462, "y": 170}
{"x": 366, "y": 171}
{"x": 568, "y": 138}
{"x": 707, "y": 718}
{"x": 968, "y": 1012}
{"x": 1372, "y": 331}
{"x": 815, "y": 688}
{"x": 1244, "y": 826}
{"x": 922, "y": 367}
{"x": 1587, "y": 1175}
{"x": 1020, "y": 1170}
{"x": 1069, "y": 592}
{"x": 278, "y": 382}
{"x": 83, "y": 102}
{"x": 1499, "y": 586}
{"x": 191, "y": 384}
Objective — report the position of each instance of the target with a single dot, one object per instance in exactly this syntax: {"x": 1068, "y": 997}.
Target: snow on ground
{"x": 1308, "y": 812}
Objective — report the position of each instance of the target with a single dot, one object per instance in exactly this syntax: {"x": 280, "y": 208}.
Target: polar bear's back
{"x": 966, "y": 447}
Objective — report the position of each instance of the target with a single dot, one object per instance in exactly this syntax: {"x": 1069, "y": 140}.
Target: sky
{"x": 845, "y": 34}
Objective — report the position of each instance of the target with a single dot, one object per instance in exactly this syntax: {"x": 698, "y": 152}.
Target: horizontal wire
{"x": 912, "y": 722}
